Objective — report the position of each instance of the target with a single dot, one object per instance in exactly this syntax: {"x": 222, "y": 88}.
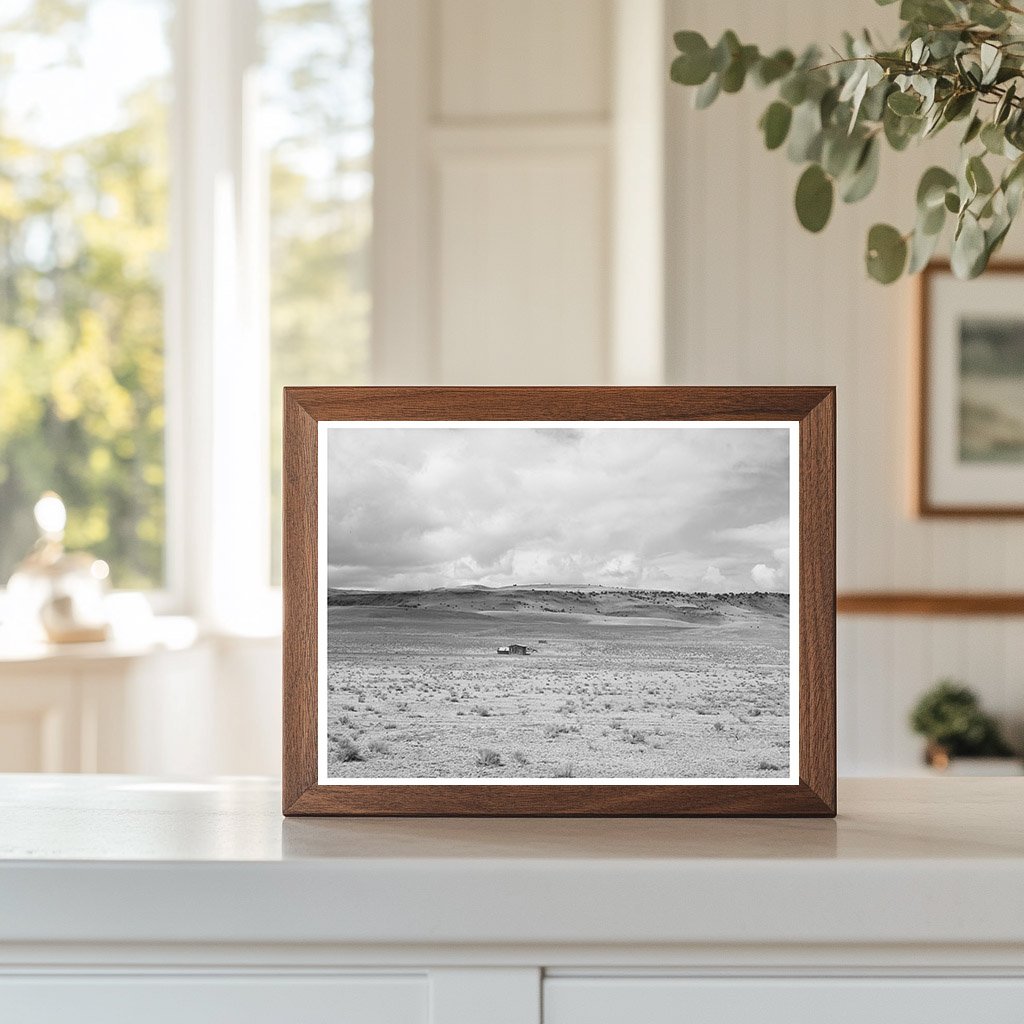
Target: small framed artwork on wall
{"x": 970, "y": 445}
{"x": 559, "y": 601}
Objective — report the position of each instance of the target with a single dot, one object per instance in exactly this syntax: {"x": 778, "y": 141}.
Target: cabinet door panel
{"x": 202, "y": 999}
{"x": 782, "y": 1001}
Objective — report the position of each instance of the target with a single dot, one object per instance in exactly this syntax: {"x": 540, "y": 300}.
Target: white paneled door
{"x": 518, "y": 152}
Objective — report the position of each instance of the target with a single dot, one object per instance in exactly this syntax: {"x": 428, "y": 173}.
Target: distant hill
{"x": 583, "y": 600}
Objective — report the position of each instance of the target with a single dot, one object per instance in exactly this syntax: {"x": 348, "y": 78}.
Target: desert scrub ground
{"x": 627, "y": 684}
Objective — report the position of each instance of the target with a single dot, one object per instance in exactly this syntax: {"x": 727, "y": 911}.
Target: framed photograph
{"x": 559, "y": 601}
{"x": 970, "y": 450}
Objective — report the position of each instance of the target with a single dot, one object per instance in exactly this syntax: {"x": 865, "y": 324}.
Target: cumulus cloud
{"x": 774, "y": 533}
{"x": 419, "y": 507}
{"x": 767, "y": 578}
{"x": 713, "y": 579}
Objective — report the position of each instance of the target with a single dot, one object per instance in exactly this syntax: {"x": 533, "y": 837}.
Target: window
{"x": 185, "y": 222}
{"x": 83, "y": 234}
{"x": 317, "y": 120}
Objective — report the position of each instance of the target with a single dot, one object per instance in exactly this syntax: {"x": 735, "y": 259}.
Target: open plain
{"x": 618, "y": 683}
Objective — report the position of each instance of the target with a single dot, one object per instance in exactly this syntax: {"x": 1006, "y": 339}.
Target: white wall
{"x": 511, "y": 145}
{"x": 504, "y": 133}
{"x": 754, "y": 299}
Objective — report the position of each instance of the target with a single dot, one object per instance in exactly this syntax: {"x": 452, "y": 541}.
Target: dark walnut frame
{"x": 812, "y": 407}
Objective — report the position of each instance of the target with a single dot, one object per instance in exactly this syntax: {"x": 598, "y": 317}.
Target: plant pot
{"x": 941, "y": 762}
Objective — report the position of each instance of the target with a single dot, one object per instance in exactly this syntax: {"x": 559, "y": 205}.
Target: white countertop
{"x": 120, "y": 859}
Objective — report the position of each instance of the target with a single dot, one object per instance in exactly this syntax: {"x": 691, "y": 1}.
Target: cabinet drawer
{"x": 202, "y": 999}
{"x": 783, "y": 1001}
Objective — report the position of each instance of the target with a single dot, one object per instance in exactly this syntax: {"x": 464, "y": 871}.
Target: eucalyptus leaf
{"x": 691, "y": 70}
{"x": 900, "y": 130}
{"x": 978, "y": 176}
{"x": 957, "y": 106}
{"x": 707, "y": 93}
{"x": 724, "y": 51}
{"x": 865, "y": 174}
{"x": 689, "y": 42}
{"x": 969, "y": 71}
{"x": 875, "y": 98}
{"x": 968, "y": 254}
{"x": 1013, "y": 187}
{"x": 886, "y": 253}
{"x": 867, "y": 74}
{"x": 925, "y": 87}
{"x": 993, "y": 138}
{"x": 933, "y": 122}
{"x": 987, "y": 15}
{"x": 775, "y": 124}
{"x": 735, "y": 74}
{"x": 817, "y": 84}
{"x": 771, "y": 69}
{"x": 805, "y": 133}
{"x": 904, "y": 103}
{"x": 794, "y": 88}
{"x": 954, "y": 60}
{"x": 944, "y": 44}
{"x": 991, "y": 60}
{"x": 922, "y": 247}
{"x": 840, "y": 152}
{"x": 966, "y": 187}
{"x": 827, "y": 106}
{"x": 1005, "y": 105}
{"x": 929, "y": 12}
{"x": 973, "y": 130}
{"x": 931, "y": 190}
{"x": 932, "y": 221}
{"x": 1014, "y": 192}
{"x": 814, "y": 196}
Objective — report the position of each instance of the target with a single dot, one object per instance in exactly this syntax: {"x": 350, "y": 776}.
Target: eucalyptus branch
{"x": 955, "y": 61}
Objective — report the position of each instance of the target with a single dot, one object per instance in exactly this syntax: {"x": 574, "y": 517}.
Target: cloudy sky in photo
{"x": 654, "y": 507}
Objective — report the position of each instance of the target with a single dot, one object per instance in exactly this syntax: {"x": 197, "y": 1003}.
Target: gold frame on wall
{"x": 923, "y": 505}
{"x": 948, "y": 604}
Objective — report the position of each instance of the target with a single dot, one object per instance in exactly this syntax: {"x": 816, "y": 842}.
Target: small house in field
{"x": 515, "y": 649}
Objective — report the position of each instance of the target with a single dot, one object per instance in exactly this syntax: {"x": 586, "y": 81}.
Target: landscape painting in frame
{"x": 972, "y": 393}
{"x": 557, "y": 603}
{"x": 992, "y": 389}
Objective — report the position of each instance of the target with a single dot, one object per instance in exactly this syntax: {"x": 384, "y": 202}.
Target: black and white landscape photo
{"x": 558, "y": 603}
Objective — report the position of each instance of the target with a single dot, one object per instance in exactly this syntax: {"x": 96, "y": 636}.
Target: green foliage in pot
{"x": 950, "y": 717}
{"x": 957, "y": 62}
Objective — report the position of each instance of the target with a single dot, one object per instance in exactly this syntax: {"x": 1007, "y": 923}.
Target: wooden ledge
{"x": 928, "y": 603}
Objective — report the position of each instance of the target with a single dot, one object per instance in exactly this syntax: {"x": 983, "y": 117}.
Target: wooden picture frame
{"x": 941, "y": 488}
{"x": 809, "y": 415}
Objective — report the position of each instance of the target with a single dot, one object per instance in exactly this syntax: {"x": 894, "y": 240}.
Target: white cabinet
{"x": 100, "y": 707}
{"x": 173, "y": 704}
{"x": 625, "y": 1000}
{"x": 132, "y": 899}
{"x": 202, "y": 999}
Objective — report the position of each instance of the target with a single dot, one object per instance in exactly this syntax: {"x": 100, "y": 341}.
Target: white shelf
{"x": 129, "y": 898}
{"x": 162, "y": 633}
{"x": 125, "y": 860}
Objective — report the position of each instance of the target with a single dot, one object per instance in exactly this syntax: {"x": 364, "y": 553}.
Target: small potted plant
{"x": 950, "y": 718}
